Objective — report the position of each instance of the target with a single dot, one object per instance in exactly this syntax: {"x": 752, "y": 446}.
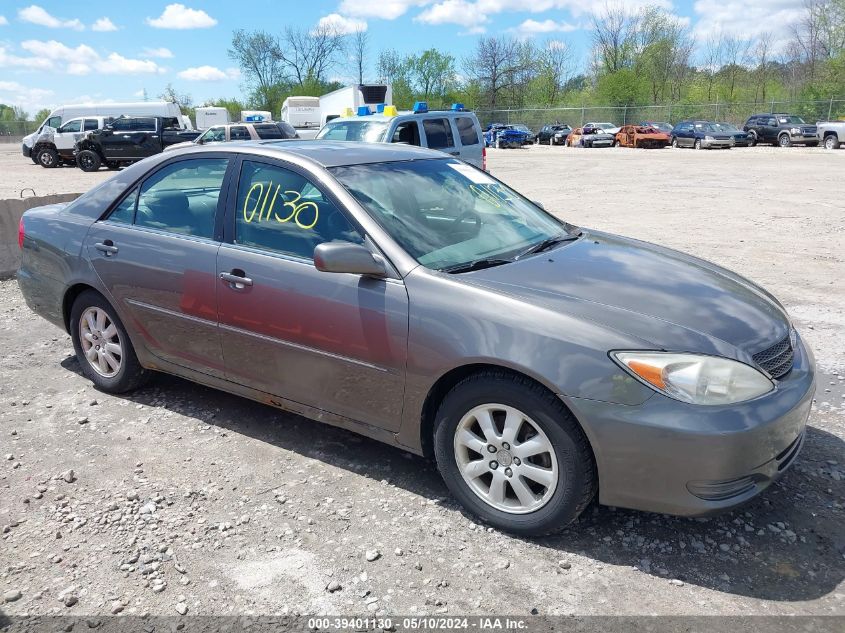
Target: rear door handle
{"x": 455, "y": 153}
{"x": 107, "y": 247}
{"x": 236, "y": 279}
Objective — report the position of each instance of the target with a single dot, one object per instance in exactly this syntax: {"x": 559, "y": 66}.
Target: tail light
{"x": 483, "y": 159}
{"x": 21, "y": 234}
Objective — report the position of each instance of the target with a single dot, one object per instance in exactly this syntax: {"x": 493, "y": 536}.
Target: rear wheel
{"x": 88, "y": 160}
{"x": 47, "y": 157}
{"x": 513, "y": 455}
{"x": 831, "y": 142}
{"x": 698, "y": 143}
{"x": 102, "y": 345}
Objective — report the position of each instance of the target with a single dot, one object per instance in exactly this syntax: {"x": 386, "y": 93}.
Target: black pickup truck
{"x": 127, "y": 140}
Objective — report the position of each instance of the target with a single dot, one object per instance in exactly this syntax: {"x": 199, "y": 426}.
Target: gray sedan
{"x": 407, "y": 296}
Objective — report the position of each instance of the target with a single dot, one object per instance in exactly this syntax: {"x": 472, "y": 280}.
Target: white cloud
{"x": 385, "y": 9}
{"x": 26, "y": 97}
{"x": 758, "y": 16}
{"x": 3, "y": 20}
{"x": 342, "y": 25}
{"x": 453, "y": 12}
{"x": 209, "y": 73}
{"x": 533, "y": 27}
{"x": 178, "y": 16}
{"x": 104, "y": 25}
{"x": 161, "y": 53}
{"x": 37, "y": 15}
{"x": 81, "y": 60}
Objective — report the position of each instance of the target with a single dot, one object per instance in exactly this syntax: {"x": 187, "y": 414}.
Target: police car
{"x": 455, "y": 131}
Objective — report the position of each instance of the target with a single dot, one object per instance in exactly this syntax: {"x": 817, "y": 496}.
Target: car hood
{"x": 181, "y": 145}
{"x": 667, "y": 299}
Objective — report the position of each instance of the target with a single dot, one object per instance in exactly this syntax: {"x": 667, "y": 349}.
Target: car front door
{"x": 156, "y": 254}
{"x": 334, "y": 342}
{"x": 116, "y": 141}
{"x": 66, "y": 136}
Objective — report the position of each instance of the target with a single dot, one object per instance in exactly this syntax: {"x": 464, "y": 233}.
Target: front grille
{"x": 777, "y": 359}
{"x": 809, "y": 129}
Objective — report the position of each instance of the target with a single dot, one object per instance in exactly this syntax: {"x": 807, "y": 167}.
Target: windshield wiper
{"x": 477, "y": 264}
{"x": 548, "y": 243}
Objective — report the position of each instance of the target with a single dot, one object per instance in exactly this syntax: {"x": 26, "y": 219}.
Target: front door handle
{"x": 107, "y": 247}
{"x": 236, "y": 279}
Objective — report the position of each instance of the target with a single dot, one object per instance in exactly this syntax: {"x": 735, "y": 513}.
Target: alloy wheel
{"x": 100, "y": 342}
{"x": 506, "y": 459}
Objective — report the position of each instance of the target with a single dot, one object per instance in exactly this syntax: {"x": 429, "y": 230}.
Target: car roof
{"x": 403, "y": 114}
{"x": 329, "y": 153}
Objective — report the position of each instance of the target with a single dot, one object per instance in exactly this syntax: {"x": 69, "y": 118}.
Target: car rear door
{"x": 156, "y": 255}
{"x": 333, "y": 342}
{"x": 438, "y": 134}
{"x": 468, "y": 135}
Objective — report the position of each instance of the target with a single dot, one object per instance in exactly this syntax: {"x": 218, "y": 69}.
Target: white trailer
{"x": 335, "y": 104}
{"x": 302, "y": 112}
{"x": 208, "y": 116}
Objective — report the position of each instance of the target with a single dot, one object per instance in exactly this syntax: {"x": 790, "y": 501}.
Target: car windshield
{"x": 521, "y": 128}
{"x": 447, "y": 214}
{"x": 603, "y": 126}
{"x": 707, "y": 127}
{"x": 562, "y": 128}
{"x": 367, "y": 131}
{"x": 790, "y": 119}
{"x": 727, "y": 127}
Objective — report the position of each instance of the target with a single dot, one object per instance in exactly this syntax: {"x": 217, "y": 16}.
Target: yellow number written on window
{"x": 299, "y": 212}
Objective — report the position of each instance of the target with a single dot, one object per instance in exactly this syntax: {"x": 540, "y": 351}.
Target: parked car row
{"x": 783, "y": 130}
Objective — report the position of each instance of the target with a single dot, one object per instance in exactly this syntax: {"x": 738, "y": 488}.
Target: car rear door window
{"x": 144, "y": 125}
{"x": 91, "y": 124}
{"x": 407, "y": 132}
{"x": 268, "y": 131}
{"x": 239, "y": 133}
{"x": 122, "y": 125}
{"x": 182, "y": 197}
{"x": 467, "y": 131}
{"x": 438, "y": 133}
{"x": 279, "y": 210}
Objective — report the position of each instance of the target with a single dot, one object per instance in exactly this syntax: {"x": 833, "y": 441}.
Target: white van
{"x": 208, "y": 116}
{"x": 67, "y": 112}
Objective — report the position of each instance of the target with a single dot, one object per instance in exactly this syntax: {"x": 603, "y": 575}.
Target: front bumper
{"x": 26, "y": 151}
{"x": 655, "y": 456}
{"x": 716, "y": 143}
{"x": 804, "y": 138}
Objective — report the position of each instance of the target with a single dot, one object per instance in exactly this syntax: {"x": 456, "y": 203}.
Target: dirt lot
{"x": 180, "y": 499}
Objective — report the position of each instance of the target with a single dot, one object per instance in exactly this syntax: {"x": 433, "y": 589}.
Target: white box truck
{"x": 333, "y": 104}
{"x": 113, "y": 110}
{"x": 208, "y": 116}
{"x": 303, "y": 113}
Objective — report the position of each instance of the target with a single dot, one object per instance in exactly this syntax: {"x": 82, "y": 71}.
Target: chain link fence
{"x": 736, "y": 113}
{"x": 14, "y": 131}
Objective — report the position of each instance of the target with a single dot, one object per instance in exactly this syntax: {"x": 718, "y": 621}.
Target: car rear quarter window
{"x": 281, "y": 211}
{"x": 182, "y": 197}
{"x": 438, "y": 133}
{"x": 467, "y": 131}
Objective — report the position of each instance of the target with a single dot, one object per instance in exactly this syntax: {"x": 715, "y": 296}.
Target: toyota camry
{"x": 405, "y": 295}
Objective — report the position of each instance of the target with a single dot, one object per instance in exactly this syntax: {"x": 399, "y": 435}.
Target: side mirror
{"x": 345, "y": 257}
{"x": 200, "y": 141}
{"x": 537, "y": 203}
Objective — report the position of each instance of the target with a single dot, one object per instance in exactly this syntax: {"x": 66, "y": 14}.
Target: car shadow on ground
{"x": 788, "y": 544}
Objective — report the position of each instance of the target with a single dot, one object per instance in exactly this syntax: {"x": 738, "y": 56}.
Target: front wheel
{"x": 784, "y": 140}
{"x": 47, "y": 158}
{"x": 831, "y": 142}
{"x": 102, "y": 345}
{"x": 698, "y": 143}
{"x": 513, "y": 455}
{"x": 88, "y": 160}
{"x": 675, "y": 143}
{"x": 752, "y": 139}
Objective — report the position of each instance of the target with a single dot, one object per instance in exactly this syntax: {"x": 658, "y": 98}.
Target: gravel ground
{"x": 182, "y": 500}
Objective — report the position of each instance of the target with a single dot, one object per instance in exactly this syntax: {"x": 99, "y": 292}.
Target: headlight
{"x": 695, "y": 378}
{"x": 708, "y": 138}
{"x": 795, "y": 130}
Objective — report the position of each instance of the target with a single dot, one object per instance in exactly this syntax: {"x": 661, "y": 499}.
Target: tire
{"x": 674, "y": 143}
{"x": 698, "y": 143}
{"x": 752, "y": 139}
{"x": 33, "y": 158}
{"x": 617, "y": 144}
{"x": 567, "y": 465}
{"x": 47, "y": 158}
{"x": 831, "y": 141}
{"x": 498, "y": 143}
{"x": 112, "y": 165}
{"x": 784, "y": 141}
{"x": 88, "y": 160}
{"x": 128, "y": 374}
